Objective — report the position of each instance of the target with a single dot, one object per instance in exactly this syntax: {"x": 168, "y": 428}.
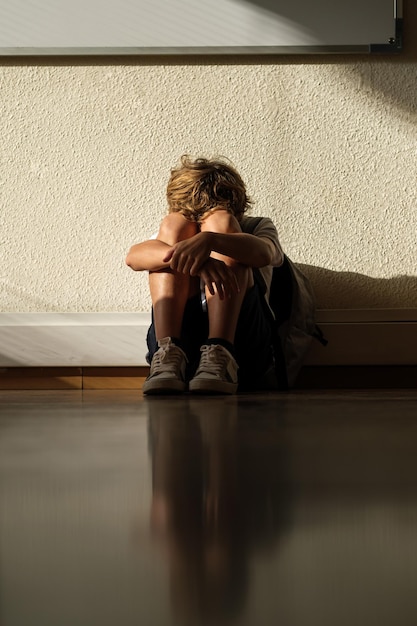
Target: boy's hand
{"x": 189, "y": 256}
{"x": 192, "y": 257}
{"x": 217, "y": 276}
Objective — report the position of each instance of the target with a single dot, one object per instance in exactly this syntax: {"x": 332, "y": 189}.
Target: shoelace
{"x": 213, "y": 358}
{"x": 165, "y": 357}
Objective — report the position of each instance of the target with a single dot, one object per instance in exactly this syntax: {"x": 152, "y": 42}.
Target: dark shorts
{"x": 253, "y": 340}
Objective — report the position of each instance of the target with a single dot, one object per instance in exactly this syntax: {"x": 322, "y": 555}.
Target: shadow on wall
{"x": 314, "y": 21}
{"x": 397, "y": 85}
{"x": 316, "y": 18}
{"x": 349, "y": 290}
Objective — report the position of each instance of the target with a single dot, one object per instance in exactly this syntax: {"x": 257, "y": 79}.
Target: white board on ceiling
{"x": 190, "y": 26}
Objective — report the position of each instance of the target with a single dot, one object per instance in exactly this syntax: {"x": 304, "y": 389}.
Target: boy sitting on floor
{"x": 210, "y": 330}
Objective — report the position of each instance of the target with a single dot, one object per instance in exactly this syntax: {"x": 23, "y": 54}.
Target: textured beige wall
{"x": 327, "y": 147}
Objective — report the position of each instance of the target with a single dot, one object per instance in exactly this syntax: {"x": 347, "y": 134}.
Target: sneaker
{"x": 216, "y": 373}
{"x": 167, "y": 373}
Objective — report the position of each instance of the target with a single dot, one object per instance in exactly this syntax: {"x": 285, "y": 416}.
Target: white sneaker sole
{"x": 163, "y": 386}
{"x": 201, "y": 385}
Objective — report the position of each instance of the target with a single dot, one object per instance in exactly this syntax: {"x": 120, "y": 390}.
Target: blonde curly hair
{"x": 197, "y": 187}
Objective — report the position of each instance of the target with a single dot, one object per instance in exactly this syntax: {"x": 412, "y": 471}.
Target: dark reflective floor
{"x": 294, "y": 510}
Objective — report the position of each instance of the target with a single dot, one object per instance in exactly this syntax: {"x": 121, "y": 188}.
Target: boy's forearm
{"x": 244, "y": 248}
{"x": 148, "y": 256}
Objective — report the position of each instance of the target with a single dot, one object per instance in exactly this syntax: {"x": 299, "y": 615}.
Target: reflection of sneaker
{"x": 167, "y": 374}
{"x": 217, "y": 372}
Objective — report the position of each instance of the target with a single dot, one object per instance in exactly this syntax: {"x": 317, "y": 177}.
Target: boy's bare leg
{"x": 170, "y": 290}
{"x": 224, "y": 314}
{"x": 218, "y": 369}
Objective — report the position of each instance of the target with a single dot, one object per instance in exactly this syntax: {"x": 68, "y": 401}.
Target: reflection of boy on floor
{"x": 216, "y": 346}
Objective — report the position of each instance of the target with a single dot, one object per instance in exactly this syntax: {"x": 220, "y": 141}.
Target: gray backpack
{"x": 293, "y": 323}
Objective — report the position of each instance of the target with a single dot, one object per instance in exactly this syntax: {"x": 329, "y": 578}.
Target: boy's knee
{"x": 221, "y": 222}
{"x": 174, "y": 227}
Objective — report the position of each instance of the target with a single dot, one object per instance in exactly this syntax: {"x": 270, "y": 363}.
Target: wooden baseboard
{"x": 46, "y": 378}
{"x": 114, "y": 377}
{"x": 358, "y": 377}
{"x": 73, "y": 378}
{"x": 101, "y": 378}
